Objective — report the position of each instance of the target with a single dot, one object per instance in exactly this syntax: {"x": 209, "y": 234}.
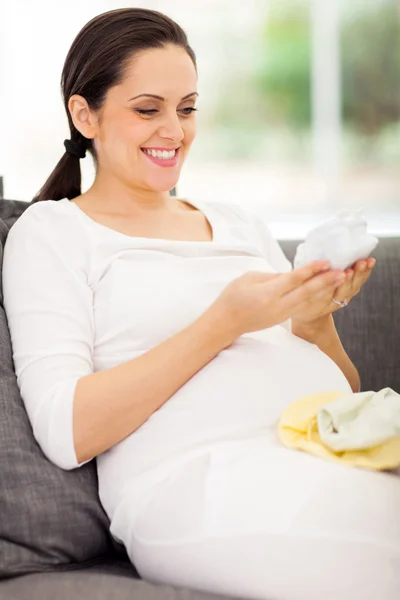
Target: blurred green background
{"x": 266, "y": 111}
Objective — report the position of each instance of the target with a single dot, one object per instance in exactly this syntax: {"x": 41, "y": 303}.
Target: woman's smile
{"x": 162, "y": 158}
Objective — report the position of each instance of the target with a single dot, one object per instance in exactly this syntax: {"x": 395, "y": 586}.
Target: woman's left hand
{"x": 356, "y": 276}
{"x": 322, "y": 305}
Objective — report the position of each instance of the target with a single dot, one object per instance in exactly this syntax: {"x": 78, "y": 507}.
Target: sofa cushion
{"x": 105, "y": 583}
{"x": 10, "y": 210}
{"x": 49, "y": 518}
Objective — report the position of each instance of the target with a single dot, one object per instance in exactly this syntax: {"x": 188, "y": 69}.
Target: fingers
{"x": 323, "y": 284}
{"x": 361, "y": 272}
{"x": 316, "y": 276}
{"x": 288, "y": 282}
{"x": 362, "y": 266}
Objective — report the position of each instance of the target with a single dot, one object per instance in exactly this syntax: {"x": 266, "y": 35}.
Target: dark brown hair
{"x": 96, "y": 62}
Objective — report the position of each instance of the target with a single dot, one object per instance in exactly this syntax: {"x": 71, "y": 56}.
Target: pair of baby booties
{"x": 342, "y": 241}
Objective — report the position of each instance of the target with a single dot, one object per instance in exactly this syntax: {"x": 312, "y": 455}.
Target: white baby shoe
{"x": 342, "y": 241}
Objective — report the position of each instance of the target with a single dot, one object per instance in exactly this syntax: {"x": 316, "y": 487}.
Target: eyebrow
{"x": 161, "y": 98}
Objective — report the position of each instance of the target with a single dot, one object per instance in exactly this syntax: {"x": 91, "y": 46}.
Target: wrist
{"x": 222, "y": 329}
{"x": 313, "y": 331}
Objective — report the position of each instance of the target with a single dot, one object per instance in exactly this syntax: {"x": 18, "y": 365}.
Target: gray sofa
{"x": 54, "y": 540}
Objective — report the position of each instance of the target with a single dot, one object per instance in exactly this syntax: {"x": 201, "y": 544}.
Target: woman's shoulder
{"x": 257, "y": 227}
{"x": 52, "y": 222}
{"x": 48, "y": 232}
{"x": 229, "y": 209}
{"x": 240, "y": 215}
{"x": 46, "y": 214}
{"x": 233, "y": 213}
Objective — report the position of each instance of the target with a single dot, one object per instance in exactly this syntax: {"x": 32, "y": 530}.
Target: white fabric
{"x": 359, "y": 421}
{"x": 81, "y": 297}
{"x": 342, "y": 241}
{"x": 256, "y": 520}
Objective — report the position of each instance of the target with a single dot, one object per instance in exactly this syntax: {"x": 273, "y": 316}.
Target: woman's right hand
{"x": 258, "y": 300}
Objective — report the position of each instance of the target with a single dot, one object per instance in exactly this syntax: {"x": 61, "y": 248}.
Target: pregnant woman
{"x": 164, "y": 337}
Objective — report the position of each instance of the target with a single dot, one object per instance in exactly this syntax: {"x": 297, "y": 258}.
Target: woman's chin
{"x": 162, "y": 184}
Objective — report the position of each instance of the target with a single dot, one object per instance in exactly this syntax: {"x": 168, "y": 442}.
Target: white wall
{"x": 35, "y": 37}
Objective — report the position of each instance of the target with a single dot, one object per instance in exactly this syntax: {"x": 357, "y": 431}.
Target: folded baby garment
{"x": 342, "y": 241}
{"x": 361, "y": 429}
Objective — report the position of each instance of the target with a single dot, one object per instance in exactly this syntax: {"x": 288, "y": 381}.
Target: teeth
{"x": 163, "y": 154}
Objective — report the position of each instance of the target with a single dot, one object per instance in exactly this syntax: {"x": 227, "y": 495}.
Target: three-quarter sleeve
{"x": 49, "y": 308}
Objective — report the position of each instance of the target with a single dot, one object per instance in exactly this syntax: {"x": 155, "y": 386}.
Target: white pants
{"x": 258, "y": 521}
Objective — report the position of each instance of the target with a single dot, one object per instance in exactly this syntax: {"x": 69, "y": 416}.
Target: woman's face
{"x": 132, "y": 119}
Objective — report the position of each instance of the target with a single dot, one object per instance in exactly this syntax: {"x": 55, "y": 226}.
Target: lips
{"x": 161, "y": 149}
{"x": 161, "y": 162}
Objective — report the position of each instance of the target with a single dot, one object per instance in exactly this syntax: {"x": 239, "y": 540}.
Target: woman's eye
{"x": 146, "y": 112}
{"x": 186, "y": 111}
{"x": 189, "y": 110}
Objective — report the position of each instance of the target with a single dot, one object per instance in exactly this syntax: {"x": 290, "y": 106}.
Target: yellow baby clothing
{"x": 361, "y": 429}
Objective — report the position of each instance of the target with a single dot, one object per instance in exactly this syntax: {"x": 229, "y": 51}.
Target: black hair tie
{"x": 76, "y": 149}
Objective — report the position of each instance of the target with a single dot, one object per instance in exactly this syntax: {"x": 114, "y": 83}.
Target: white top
{"x": 81, "y": 297}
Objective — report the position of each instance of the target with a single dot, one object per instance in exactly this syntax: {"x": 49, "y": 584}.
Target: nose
{"x": 172, "y": 128}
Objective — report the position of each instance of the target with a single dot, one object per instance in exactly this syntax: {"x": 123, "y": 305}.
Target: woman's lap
{"x": 266, "y": 522}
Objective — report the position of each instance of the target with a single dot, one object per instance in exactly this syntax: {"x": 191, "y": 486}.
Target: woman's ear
{"x": 83, "y": 118}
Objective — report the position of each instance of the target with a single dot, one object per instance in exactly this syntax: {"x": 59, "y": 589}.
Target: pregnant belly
{"x": 243, "y": 389}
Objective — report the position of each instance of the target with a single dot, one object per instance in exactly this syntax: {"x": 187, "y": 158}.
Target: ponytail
{"x": 66, "y": 179}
